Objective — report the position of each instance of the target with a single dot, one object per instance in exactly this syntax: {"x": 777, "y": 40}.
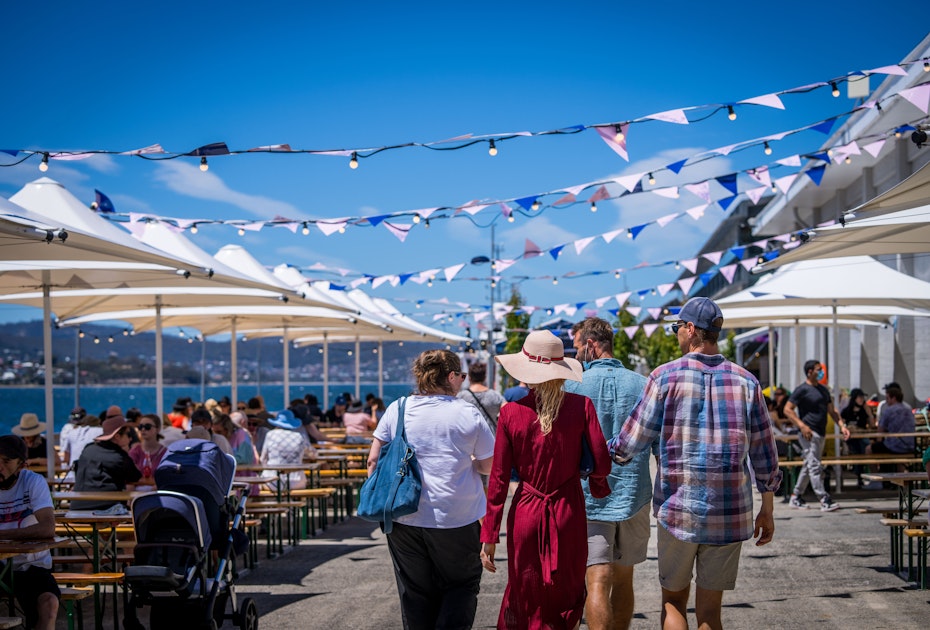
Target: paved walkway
{"x": 822, "y": 571}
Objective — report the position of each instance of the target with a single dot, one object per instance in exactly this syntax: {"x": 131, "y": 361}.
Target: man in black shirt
{"x": 807, "y": 408}
{"x": 105, "y": 464}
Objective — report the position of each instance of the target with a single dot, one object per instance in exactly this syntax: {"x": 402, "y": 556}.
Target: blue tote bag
{"x": 393, "y": 489}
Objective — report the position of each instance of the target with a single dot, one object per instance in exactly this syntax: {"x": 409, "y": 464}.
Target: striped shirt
{"x": 712, "y": 424}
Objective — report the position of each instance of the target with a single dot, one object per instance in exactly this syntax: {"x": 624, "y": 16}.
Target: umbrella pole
{"x": 159, "y": 362}
{"x": 77, "y": 366}
{"x": 834, "y": 363}
{"x": 49, "y": 389}
{"x": 381, "y": 370}
{"x": 287, "y": 370}
{"x": 233, "y": 365}
{"x": 797, "y": 351}
{"x": 358, "y": 371}
{"x": 325, "y": 371}
{"x": 772, "y": 379}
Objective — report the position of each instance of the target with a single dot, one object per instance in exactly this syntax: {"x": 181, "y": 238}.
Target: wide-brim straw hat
{"x": 541, "y": 359}
{"x": 29, "y": 425}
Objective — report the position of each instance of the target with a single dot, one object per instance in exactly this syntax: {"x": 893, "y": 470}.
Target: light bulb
{"x": 767, "y": 149}
{"x": 535, "y": 205}
{"x": 834, "y": 90}
{"x": 353, "y": 162}
{"x": 203, "y": 164}
{"x": 927, "y": 66}
{"x": 619, "y": 135}
{"x": 511, "y": 219}
{"x": 81, "y": 334}
{"x": 492, "y": 150}
{"x": 731, "y": 113}
{"x": 194, "y": 229}
{"x": 493, "y": 284}
{"x": 241, "y": 232}
{"x": 677, "y": 265}
{"x": 43, "y": 165}
{"x": 110, "y": 339}
{"x": 429, "y": 282}
{"x": 190, "y": 340}
{"x": 426, "y": 224}
{"x": 848, "y": 160}
{"x": 617, "y": 275}
{"x": 629, "y": 233}
{"x": 125, "y": 332}
{"x": 96, "y": 339}
{"x": 305, "y": 230}
{"x": 774, "y": 188}
{"x": 555, "y": 281}
{"x": 593, "y": 207}
{"x": 652, "y": 179}
{"x": 342, "y": 230}
{"x": 897, "y": 133}
{"x": 416, "y": 218}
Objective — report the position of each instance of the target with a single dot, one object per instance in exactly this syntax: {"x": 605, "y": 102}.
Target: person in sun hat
{"x": 27, "y": 513}
{"x": 712, "y": 423}
{"x": 284, "y": 444}
{"x": 105, "y": 464}
{"x": 31, "y": 430}
{"x": 542, "y": 436}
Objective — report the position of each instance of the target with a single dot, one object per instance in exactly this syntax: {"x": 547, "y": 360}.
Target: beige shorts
{"x": 717, "y": 565}
{"x": 623, "y": 542}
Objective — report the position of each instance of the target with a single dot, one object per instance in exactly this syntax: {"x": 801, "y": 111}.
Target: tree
{"x": 652, "y": 351}
{"x": 516, "y": 324}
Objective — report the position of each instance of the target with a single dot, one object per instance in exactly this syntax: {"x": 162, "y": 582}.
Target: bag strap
{"x": 401, "y": 429}
{"x": 487, "y": 416}
{"x": 387, "y": 523}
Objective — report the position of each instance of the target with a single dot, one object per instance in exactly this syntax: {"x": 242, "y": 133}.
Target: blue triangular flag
{"x": 770, "y": 255}
{"x": 643, "y": 292}
{"x": 706, "y": 276}
{"x": 738, "y": 251}
{"x": 638, "y": 188}
{"x": 825, "y": 127}
{"x": 337, "y": 287}
{"x": 102, "y": 202}
{"x": 728, "y": 182}
{"x": 816, "y": 173}
{"x": 526, "y": 202}
{"x": 12, "y": 152}
{"x": 216, "y": 148}
{"x": 580, "y": 304}
{"x": 820, "y": 155}
{"x": 613, "y": 311}
{"x": 555, "y": 251}
{"x": 404, "y": 277}
{"x": 636, "y": 229}
{"x": 725, "y": 202}
{"x": 676, "y": 166}
{"x": 378, "y": 219}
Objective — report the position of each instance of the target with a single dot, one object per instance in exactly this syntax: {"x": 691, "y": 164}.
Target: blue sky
{"x": 121, "y": 76}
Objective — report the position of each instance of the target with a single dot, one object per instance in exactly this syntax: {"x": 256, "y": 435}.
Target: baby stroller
{"x": 182, "y": 530}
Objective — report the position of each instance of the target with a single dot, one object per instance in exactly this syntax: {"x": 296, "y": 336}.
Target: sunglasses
{"x": 146, "y": 427}
{"x": 676, "y": 326}
{"x": 254, "y": 424}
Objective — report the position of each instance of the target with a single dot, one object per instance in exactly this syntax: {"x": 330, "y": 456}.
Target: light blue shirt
{"x": 614, "y": 391}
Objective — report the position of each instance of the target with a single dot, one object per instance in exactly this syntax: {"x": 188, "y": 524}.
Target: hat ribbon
{"x": 541, "y": 359}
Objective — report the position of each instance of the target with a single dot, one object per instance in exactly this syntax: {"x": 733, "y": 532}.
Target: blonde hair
{"x": 549, "y": 397}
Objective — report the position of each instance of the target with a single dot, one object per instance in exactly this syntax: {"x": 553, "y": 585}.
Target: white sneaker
{"x": 797, "y": 502}
{"x": 829, "y": 506}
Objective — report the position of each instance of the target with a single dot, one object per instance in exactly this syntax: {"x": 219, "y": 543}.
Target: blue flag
{"x": 102, "y": 203}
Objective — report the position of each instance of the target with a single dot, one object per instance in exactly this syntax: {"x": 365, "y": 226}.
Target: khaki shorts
{"x": 717, "y": 565}
{"x": 623, "y": 542}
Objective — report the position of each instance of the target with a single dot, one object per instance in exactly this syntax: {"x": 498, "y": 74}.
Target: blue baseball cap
{"x": 701, "y": 312}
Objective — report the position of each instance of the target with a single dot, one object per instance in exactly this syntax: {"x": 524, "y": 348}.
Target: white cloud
{"x": 187, "y": 179}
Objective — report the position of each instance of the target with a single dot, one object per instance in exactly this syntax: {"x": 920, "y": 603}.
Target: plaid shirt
{"x": 709, "y": 415}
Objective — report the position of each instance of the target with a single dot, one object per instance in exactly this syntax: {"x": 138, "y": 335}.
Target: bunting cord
{"x": 472, "y": 140}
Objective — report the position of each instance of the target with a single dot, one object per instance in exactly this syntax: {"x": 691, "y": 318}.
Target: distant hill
{"x": 131, "y": 358}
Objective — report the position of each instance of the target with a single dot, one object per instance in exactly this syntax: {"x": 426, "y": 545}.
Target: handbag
{"x": 586, "y": 466}
{"x": 393, "y": 489}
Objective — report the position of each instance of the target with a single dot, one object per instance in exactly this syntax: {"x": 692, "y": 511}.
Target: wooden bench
{"x": 72, "y": 597}
{"x": 923, "y": 537}
{"x": 273, "y": 513}
{"x": 83, "y": 584}
{"x": 10, "y": 622}
{"x": 320, "y": 496}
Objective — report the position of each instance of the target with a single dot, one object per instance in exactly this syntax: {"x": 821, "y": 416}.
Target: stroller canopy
{"x": 160, "y": 514}
{"x": 196, "y": 463}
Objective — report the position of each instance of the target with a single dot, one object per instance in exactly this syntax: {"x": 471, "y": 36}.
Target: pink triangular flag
{"x": 609, "y": 134}
{"x": 330, "y": 227}
{"x": 755, "y": 194}
{"x": 874, "y": 148}
{"x": 676, "y": 116}
{"x": 581, "y": 243}
{"x": 686, "y": 283}
{"x": 634, "y": 310}
{"x": 505, "y": 209}
{"x": 451, "y": 272}
{"x": 761, "y": 175}
{"x": 531, "y": 249}
{"x": 713, "y": 257}
{"x": 690, "y": 264}
{"x": 600, "y": 194}
{"x": 700, "y": 190}
{"x": 630, "y": 330}
{"x": 728, "y": 271}
{"x": 629, "y": 181}
{"x": 623, "y": 297}
{"x": 664, "y": 288}
{"x": 769, "y": 100}
{"x": 648, "y": 329}
{"x": 400, "y": 230}
{"x": 668, "y": 218}
{"x": 897, "y": 70}
{"x": 696, "y": 212}
{"x": 568, "y": 198}
{"x": 654, "y": 312}
{"x": 747, "y": 263}
{"x": 784, "y": 183}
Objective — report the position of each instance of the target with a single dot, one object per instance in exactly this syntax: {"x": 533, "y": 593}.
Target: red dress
{"x": 547, "y": 539}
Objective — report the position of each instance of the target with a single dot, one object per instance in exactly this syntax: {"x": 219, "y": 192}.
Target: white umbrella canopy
{"x": 765, "y": 315}
{"x": 903, "y": 232}
{"x": 909, "y": 193}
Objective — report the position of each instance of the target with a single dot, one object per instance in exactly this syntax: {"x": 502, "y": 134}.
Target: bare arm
{"x": 45, "y": 528}
{"x": 765, "y": 521}
{"x": 483, "y": 466}
{"x": 796, "y": 420}
{"x": 844, "y": 430}
{"x": 376, "y": 445}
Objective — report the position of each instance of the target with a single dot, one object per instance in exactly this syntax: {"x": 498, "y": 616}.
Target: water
{"x": 15, "y": 401}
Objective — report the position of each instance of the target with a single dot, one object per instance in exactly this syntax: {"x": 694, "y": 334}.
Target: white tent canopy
{"x": 903, "y": 232}
{"x": 911, "y": 192}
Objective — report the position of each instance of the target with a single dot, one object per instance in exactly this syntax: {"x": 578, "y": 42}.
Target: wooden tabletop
{"x": 10, "y": 548}
{"x": 116, "y": 496}
{"x": 88, "y": 517}
{"x": 255, "y": 480}
{"x": 899, "y": 478}
{"x": 281, "y": 467}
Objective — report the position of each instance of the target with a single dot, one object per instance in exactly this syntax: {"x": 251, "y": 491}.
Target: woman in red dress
{"x": 541, "y": 437}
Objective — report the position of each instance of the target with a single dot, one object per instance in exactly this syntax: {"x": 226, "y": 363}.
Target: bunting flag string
{"x": 615, "y": 134}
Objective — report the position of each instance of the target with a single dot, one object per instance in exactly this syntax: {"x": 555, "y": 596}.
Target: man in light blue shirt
{"x": 618, "y": 525}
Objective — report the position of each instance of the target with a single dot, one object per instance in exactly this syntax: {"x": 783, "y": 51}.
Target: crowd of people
{"x": 571, "y": 444}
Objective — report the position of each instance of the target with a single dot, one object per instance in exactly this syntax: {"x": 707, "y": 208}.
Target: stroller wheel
{"x": 247, "y": 617}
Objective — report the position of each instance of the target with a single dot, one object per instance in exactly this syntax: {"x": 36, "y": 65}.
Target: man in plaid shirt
{"x": 712, "y": 424}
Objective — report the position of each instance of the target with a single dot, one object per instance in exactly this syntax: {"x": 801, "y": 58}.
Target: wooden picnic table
{"x": 908, "y": 502}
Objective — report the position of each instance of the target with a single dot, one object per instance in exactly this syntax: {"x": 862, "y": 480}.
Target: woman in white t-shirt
{"x": 435, "y": 549}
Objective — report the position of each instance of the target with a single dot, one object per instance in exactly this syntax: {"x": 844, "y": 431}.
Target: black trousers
{"x": 438, "y": 574}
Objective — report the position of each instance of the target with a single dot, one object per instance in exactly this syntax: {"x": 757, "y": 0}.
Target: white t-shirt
{"x": 445, "y": 432}
{"x": 18, "y": 506}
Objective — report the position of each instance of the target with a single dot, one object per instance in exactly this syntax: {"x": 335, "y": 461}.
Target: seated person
{"x": 357, "y": 422}
{"x": 284, "y": 444}
{"x": 105, "y": 465}
{"x": 31, "y": 430}
{"x": 204, "y": 419}
{"x": 896, "y": 417}
{"x": 238, "y": 438}
{"x": 149, "y": 452}
{"x": 26, "y": 513}
{"x": 333, "y": 416}
{"x": 307, "y": 424}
